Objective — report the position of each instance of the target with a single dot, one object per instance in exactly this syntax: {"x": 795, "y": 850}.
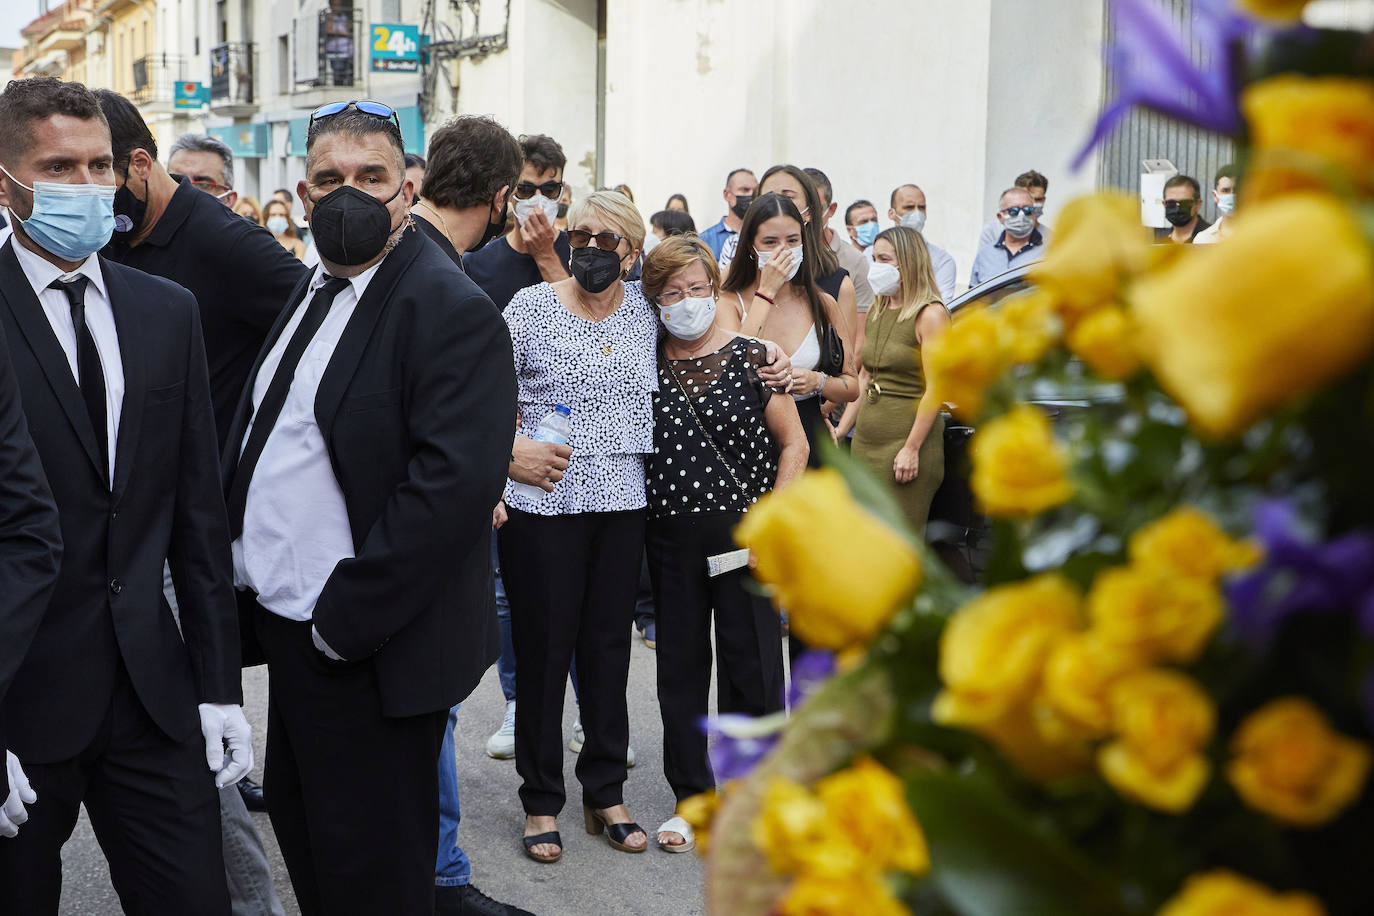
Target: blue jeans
{"x": 505, "y": 665}
{"x": 452, "y": 868}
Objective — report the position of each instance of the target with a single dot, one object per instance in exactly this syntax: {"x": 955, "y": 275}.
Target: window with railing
{"x": 231, "y": 74}
{"x": 155, "y": 77}
{"x": 328, "y": 50}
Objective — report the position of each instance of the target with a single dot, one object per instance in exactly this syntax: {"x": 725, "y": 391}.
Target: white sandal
{"x": 679, "y": 826}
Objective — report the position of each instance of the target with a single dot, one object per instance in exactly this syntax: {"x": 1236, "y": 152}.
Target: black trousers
{"x": 749, "y": 676}
{"x": 155, "y": 810}
{"x": 571, "y": 582}
{"x": 353, "y": 795}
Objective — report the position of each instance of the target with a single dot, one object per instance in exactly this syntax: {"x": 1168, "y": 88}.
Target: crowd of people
{"x": 453, "y": 418}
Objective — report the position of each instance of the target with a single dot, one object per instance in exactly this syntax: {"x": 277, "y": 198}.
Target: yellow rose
{"x": 828, "y": 611}
{"x": 1278, "y": 10}
{"x": 1018, "y": 467}
{"x": 969, "y": 358}
{"x": 1078, "y": 678}
{"x": 1308, "y": 132}
{"x": 1041, "y": 752}
{"x": 1028, "y": 325}
{"x": 1189, "y": 543}
{"x": 1098, "y": 244}
{"x": 1162, "y": 720}
{"x": 794, "y": 831}
{"x": 1104, "y": 339}
{"x": 993, "y": 649}
{"x": 1288, "y": 762}
{"x": 869, "y": 804}
{"x": 700, "y": 811}
{"x": 1157, "y": 615}
{"x": 1285, "y": 307}
{"x": 1225, "y": 893}
{"x": 816, "y": 895}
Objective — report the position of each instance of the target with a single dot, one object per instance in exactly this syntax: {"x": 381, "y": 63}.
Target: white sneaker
{"x": 579, "y": 738}
{"x": 502, "y": 744}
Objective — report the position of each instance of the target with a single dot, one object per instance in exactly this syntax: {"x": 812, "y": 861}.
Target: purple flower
{"x": 1155, "y": 68}
{"x": 811, "y": 669}
{"x": 738, "y": 742}
{"x": 1300, "y": 574}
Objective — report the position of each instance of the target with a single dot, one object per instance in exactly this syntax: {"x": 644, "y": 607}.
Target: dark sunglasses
{"x": 1178, "y": 204}
{"x": 366, "y": 106}
{"x": 606, "y": 241}
{"x": 1028, "y": 209}
{"x": 550, "y": 189}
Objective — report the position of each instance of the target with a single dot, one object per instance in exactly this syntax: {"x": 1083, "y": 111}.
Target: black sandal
{"x": 539, "y": 839}
{"x": 616, "y": 834}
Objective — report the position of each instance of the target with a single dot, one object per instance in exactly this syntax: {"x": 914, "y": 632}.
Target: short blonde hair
{"x": 672, "y": 256}
{"x": 613, "y": 209}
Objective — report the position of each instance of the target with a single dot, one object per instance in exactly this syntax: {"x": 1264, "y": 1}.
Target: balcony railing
{"x": 231, "y": 75}
{"x": 156, "y": 76}
{"x": 328, "y": 51}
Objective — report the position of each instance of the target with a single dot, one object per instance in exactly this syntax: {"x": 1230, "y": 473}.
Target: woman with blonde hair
{"x": 722, "y": 439}
{"x": 248, "y": 208}
{"x": 899, "y": 432}
{"x": 277, "y": 218}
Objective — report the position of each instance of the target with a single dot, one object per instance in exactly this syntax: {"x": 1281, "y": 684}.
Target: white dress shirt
{"x": 295, "y": 521}
{"x": 99, "y": 318}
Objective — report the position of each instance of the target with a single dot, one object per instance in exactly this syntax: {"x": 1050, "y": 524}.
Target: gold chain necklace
{"x": 443, "y": 225}
{"x": 605, "y": 347}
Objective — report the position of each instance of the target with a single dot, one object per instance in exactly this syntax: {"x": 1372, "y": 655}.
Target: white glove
{"x": 223, "y": 724}
{"x": 21, "y": 793}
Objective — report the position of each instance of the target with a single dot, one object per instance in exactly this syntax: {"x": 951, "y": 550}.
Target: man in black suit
{"x": 30, "y": 550}
{"x": 112, "y": 706}
{"x": 362, "y": 468}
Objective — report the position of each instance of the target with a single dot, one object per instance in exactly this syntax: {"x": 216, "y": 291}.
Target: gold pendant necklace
{"x": 605, "y": 348}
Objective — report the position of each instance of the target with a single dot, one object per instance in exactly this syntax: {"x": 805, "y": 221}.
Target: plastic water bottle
{"x": 553, "y": 428}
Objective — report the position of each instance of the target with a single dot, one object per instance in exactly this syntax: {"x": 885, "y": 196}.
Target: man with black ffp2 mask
{"x": 361, "y": 470}
{"x": 1183, "y": 210}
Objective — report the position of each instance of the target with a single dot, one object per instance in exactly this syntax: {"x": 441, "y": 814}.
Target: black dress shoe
{"x": 251, "y": 793}
{"x": 468, "y": 900}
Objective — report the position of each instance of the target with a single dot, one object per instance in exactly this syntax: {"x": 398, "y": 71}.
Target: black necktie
{"x": 272, "y": 402}
{"x": 91, "y": 376}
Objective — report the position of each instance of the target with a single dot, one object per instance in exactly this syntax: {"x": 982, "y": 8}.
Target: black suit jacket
{"x": 166, "y": 505}
{"x": 415, "y": 407}
{"x": 30, "y": 540}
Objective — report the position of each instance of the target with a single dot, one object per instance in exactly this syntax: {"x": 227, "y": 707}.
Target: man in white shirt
{"x": 908, "y": 208}
{"x": 371, "y": 445}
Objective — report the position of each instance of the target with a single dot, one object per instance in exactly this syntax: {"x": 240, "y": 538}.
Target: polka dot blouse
{"x": 604, "y": 372}
{"x": 685, "y": 472}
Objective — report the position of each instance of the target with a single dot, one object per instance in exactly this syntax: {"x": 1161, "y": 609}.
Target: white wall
{"x": 544, "y": 83}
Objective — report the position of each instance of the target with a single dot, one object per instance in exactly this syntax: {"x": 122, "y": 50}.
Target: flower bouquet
{"x": 1161, "y": 698}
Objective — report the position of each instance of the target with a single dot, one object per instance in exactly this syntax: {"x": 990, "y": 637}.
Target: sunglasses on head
{"x": 606, "y": 241}
{"x": 366, "y": 106}
{"x": 1028, "y": 209}
{"x": 550, "y": 189}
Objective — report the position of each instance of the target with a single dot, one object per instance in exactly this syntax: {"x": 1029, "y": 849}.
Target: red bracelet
{"x": 764, "y": 298}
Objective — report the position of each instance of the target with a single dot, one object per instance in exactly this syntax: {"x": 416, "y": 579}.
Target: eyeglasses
{"x": 211, "y": 187}
{"x": 366, "y": 106}
{"x": 674, "y": 296}
{"x": 1178, "y": 204}
{"x": 550, "y": 189}
{"x": 1028, "y": 209}
{"x": 606, "y": 241}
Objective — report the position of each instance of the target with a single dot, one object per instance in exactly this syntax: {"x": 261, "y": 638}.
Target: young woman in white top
{"x": 772, "y": 282}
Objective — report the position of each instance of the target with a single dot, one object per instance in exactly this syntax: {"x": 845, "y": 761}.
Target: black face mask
{"x": 594, "y": 269}
{"x": 496, "y": 225}
{"x": 562, "y": 211}
{"x": 129, "y": 213}
{"x": 1179, "y": 216}
{"x": 742, "y": 202}
{"x": 350, "y": 226}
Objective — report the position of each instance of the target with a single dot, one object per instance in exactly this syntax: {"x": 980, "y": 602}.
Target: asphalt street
{"x": 590, "y": 878}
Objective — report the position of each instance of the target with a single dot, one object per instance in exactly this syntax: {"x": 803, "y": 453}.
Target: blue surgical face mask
{"x": 72, "y": 221}
{"x": 1226, "y": 203}
{"x": 867, "y": 232}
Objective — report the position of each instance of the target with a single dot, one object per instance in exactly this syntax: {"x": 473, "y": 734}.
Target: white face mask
{"x": 763, "y": 257}
{"x": 523, "y": 208}
{"x": 277, "y": 225}
{"x": 1226, "y": 204}
{"x": 690, "y": 319}
{"x": 916, "y": 219}
{"x": 885, "y": 279}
